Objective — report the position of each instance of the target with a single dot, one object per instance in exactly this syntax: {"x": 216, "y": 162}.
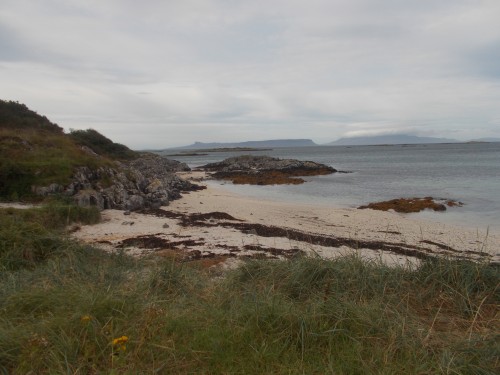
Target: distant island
{"x": 485, "y": 140}
{"x": 389, "y": 139}
{"x": 194, "y": 152}
{"x": 377, "y": 140}
{"x": 251, "y": 144}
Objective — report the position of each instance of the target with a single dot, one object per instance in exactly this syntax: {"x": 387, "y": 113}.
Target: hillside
{"x": 36, "y": 152}
{"x": 14, "y": 115}
{"x": 390, "y": 139}
{"x": 38, "y": 160}
{"x": 102, "y": 145}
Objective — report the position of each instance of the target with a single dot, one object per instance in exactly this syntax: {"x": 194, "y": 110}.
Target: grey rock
{"x": 47, "y": 190}
{"x": 146, "y": 182}
{"x": 87, "y": 198}
{"x": 134, "y": 203}
{"x": 263, "y": 163}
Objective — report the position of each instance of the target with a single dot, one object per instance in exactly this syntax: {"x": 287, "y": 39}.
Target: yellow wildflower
{"x": 85, "y": 319}
{"x": 120, "y": 342}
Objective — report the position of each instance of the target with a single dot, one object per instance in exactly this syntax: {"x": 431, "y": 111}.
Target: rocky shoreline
{"x": 214, "y": 226}
{"x": 149, "y": 181}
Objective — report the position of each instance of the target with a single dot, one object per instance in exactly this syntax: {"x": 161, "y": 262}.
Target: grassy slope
{"x": 59, "y": 313}
{"x": 34, "y": 151}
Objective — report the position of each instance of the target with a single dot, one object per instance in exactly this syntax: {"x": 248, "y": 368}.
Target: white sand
{"x": 347, "y": 223}
{"x": 17, "y": 205}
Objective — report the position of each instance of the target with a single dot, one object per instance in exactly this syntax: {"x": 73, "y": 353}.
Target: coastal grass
{"x": 80, "y": 310}
{"x": 33, "y": 157}
{"x": 30, "y": 236}
{"x": 34, "y": 152}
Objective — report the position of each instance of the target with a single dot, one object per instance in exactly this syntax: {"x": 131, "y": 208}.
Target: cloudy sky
{"x": 154, "y": 74}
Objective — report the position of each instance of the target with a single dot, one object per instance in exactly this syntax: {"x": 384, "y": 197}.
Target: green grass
{"x": 36, "y": 152}
{"x": 37, "y": 158}
{"x": 60, "y": 313}
{"x": 28, "y": 237}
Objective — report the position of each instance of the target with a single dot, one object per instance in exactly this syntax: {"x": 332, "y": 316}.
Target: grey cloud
{"x": 10, "y": 46}
{"x": 483, "y": 61}
{"x": 234, "y": 70}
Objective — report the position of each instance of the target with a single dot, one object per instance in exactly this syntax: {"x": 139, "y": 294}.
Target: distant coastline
{"x": 265, "y": 145}
{"x": 248, "y": 144}
{"x": 203, "y": 152}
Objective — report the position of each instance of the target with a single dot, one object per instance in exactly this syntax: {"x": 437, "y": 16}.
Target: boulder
{"x": 134, "y": 203}
{"x": 89, "y": 197}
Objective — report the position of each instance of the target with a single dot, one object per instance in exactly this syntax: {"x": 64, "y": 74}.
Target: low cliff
{"x": 146, "y": 182}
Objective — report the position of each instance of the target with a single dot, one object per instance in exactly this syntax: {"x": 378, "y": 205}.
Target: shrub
{"x": 102, "y": 145}
{"x": 16, "y": 115}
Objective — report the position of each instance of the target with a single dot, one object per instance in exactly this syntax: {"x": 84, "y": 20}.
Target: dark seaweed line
{"x": 329, "y": 241}
{"x": 158, "y": 243}
{"x": 200, "y": 220}
{"x": 450, "y": 249}
{"x": 272, "y": 231}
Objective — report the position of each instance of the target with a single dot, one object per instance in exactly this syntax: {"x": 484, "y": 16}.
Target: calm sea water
{"x": 469, "y": 173}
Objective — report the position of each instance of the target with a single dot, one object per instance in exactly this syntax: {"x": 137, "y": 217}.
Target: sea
{"x": 465, "y": 172}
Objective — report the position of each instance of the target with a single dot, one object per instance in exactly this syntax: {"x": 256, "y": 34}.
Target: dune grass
{"x": 79, "y": 310}
{"x": 28, "y": 237}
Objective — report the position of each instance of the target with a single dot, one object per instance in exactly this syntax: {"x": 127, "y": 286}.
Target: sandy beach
{"x": 220, "y": 226}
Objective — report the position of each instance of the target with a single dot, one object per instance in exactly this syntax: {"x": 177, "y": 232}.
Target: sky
{"x": 158, "y": 74}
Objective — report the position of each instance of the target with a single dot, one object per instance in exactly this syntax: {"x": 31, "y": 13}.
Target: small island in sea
{"x": 265, "y": 170}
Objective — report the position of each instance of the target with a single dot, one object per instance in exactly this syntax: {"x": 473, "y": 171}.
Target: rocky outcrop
{"x": 146, "y": 182}
{"x": 265, "y": 170}
{"x": 408, "y": 205}
{"x": 152, "y": 164}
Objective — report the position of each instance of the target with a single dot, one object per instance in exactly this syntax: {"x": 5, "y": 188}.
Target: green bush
{"x": 16, "y": 115}
{"x": 102, "y": 145}
{"x": 36, "y": 152}
{"x": 14, "y": 180}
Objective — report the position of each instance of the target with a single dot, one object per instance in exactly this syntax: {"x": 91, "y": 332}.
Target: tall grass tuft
{"x": 30, "y": 236}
